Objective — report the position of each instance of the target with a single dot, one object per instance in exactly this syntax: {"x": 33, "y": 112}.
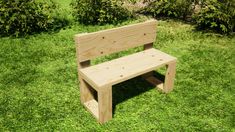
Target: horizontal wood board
{"x": 92, "y": 45}
{"x": 124, "y": 68}
{"x": 92, "y": 106}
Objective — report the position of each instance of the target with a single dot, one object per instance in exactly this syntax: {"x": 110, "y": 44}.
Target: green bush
{"x": 99, "y": 11}
{"x": 169, "y": 8}
{"x": 218, "y": 15}
{"x": 21, "y": 17}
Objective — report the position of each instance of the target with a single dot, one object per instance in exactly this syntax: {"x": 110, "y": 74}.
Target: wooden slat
{"x": 124, "y": 68}
{"x": 92, "y": 106}
{"x": 92, "y": 45}
{"x": 155, "y": 82}
{"x": 86, "y": 91}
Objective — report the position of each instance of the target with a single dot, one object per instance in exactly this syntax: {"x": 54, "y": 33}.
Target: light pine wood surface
{"x": 124, "y": 68}
{"x": 92, "y": 45}
{"x": 96, "y": 81}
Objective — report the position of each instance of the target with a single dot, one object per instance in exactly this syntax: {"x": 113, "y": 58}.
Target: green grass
{"x": 39, "y": 88}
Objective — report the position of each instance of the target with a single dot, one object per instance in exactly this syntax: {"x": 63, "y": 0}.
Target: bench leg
{"x": 105, "y": 104}
{"x": 169, "y": 77}
{"x": 86, "y": 91}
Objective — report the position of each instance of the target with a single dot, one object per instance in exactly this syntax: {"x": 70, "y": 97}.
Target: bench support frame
{"x": 165, "y": 86}
{"x": 102, "y": 109}
{"x": 98, "y": 100}
{"x": 100, "y": 105}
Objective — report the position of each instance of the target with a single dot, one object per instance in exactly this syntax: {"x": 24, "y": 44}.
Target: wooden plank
{"x": 124, "y": 68}
{"x": 92, "y": 106}
{"x": 92, "y": 45}
{"x": 169, "y": 77}
{"x": 86, "y": 91}
{"x": 105, "y": 104}
{"x": 155, "y": 82}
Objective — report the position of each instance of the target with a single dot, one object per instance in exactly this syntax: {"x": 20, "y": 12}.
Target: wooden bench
{"x": 96, "y": 81}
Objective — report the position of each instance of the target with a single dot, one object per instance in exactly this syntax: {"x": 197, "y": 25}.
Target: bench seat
{"x": 124, "y": 68}
{"x": 96, "y": 82}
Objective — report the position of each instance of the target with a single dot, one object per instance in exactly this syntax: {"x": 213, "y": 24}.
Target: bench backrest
{"x": 92, "y": 45}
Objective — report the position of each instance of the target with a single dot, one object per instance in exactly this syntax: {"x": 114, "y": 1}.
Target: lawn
{"x": 39, "y": 89}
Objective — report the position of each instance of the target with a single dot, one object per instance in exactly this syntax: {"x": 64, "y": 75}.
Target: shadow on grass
{"x": 131, "y": 88}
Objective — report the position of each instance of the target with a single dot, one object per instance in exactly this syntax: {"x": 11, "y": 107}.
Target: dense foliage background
{"x": 216, "y": 15}
{"x": 99, "y": 11}
{"x": 21, "y": 17}
{"x": 169, "y": 8}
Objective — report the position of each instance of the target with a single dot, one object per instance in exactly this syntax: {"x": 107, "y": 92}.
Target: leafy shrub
{"x": 21, "y": 17}
{"x": 169, "y": 8}
{"x": 99, "y": 11}
{"x": 218, "y": 15}
{"x": 133, "y": 1}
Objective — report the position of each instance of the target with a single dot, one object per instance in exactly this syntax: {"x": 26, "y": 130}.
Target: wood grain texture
{"x": 86, "y": 91}
{"x": 92, "y": 106}
{"x": 155, "y": 82}
{"x": 100, "y": 78}
{"x": 169, "y": 77}
{"x": 105, "y": 104}
{"x": 92, "y": 45}
{"x": 124, "y": 68}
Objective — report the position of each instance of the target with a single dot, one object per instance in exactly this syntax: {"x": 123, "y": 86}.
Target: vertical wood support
{"x": 169, "y": 77}
{"x": 105, "y": 104}
{"x": 148, "y": 46}
{"x": 86, "y": 91}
